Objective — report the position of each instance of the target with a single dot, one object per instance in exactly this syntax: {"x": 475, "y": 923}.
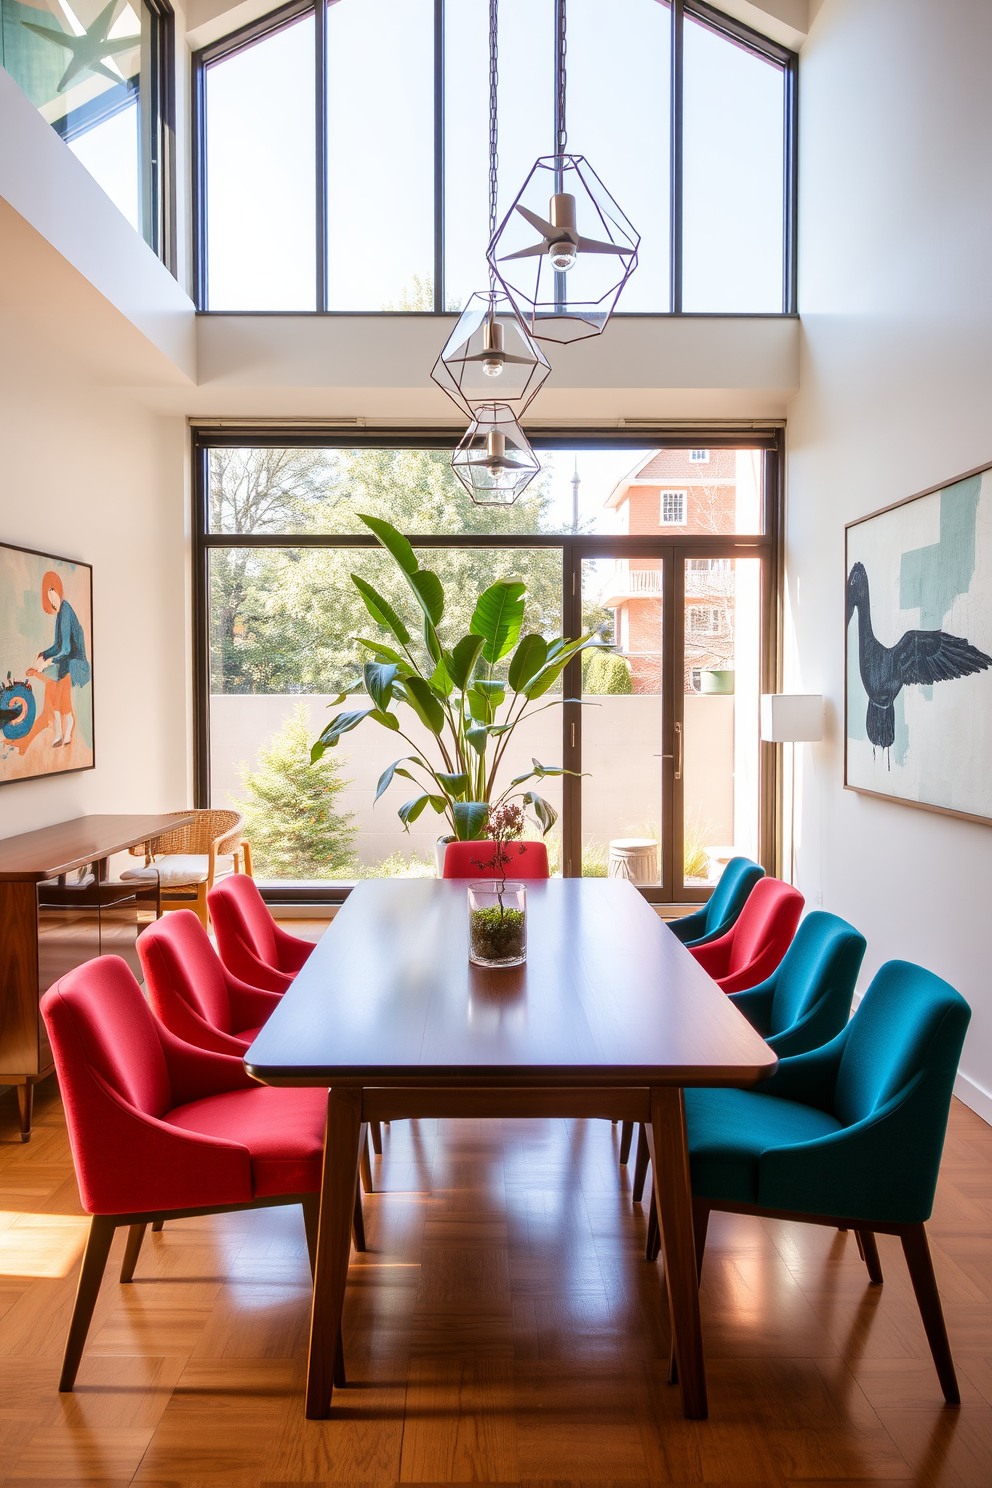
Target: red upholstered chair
{"x": 527, "y": 860}
{"x": 160, "y": 1130}
{"x": 191, "y": 991}
{"x": 753, "y": 947}
{"x": 252, "y": 946}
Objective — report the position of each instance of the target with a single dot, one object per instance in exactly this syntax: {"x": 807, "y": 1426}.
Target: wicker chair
{"x": 185, "y": 861}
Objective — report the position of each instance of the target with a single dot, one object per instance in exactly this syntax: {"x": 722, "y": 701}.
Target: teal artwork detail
{"x": 918, "y": 652}
{"x": 932, "y": 578}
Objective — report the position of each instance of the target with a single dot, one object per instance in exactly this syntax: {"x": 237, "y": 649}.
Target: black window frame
{"x": 574, "y": 548}
{"x": 707, "y": 15}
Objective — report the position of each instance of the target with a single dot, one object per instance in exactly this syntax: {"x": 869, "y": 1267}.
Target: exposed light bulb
{"x": 563, "y": 255}
{"x": 493, "y": 366}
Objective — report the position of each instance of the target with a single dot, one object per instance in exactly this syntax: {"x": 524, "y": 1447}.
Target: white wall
{"x": 896, "y": 395}
{"x": 87, "y": 473}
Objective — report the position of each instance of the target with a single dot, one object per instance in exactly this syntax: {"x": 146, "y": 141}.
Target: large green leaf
{"x": 429, "y": 591}
{"x": 540, "y": 772}
{"x": 455, "y": 785}
{"x": 393, "y": 541}
{"x": 499, "y": 614}
{"x": 379, "y": 678}
{"x": 342, "y": 723}
{"x": 549, "y": 674}
{"x": 542, "y": 809}
{"x": 439, "y": 680}
{"x": 381, "y": 610}
{"x": 386, "y": 778}
{"x": 462, "y": 659}
{"x": 482, "y": 708}
{"x": 384, "y": 653}
{"x": 471, "y": 819}
{"x": 410, "y": 810}
{"x": 477, "y": 735}
{"x": 528, "y": 659}
{"x": 388, "y": 720}
{"x": 423, "y": 702}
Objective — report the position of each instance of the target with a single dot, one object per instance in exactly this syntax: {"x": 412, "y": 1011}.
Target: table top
{"x": 608, "y": 996}
{"x": 67, "y": 845}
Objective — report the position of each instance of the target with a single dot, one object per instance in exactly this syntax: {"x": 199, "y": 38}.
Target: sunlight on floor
{"x": 43, "y": 1245}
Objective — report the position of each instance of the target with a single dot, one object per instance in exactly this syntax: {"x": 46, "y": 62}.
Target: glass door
{"x": 717, "y": 775}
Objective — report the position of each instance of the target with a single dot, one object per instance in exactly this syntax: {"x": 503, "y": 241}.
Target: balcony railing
{"x": 632, "y": 583}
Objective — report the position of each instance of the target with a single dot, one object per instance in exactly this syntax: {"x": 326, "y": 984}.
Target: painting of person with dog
{"x": 46, "y": 665}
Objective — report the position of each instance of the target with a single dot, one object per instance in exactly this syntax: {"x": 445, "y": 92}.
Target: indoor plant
{"x": 497, "y": 910}
{"x": 469, "y": 712}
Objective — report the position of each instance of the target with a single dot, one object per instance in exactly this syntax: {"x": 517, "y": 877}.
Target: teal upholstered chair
{"x": 849, "y": 1135}
{"x": 807, "y": 1000}
{"x": 803, "y": 1004}
{"x": 723, "y": 906}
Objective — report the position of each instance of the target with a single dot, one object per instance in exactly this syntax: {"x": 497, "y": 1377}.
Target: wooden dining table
{"x": 610, "y": 1017}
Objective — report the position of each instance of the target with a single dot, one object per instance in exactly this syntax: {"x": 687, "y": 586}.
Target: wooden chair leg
{"x": 652, "y": 1249}
{"x": 365, "y": 1160}
{"x": 375, "y": 1132}
{"x": 869, "y": 1254}
{"x": 641, "y": 1164}
{"x": 311, "y": 1219}
{"x": 157, "y": 1226}
{"x": 201, "y": 906}
{"x": 358, "y": 1226}
{"x": 101, "y": 1234}
{"x": 626, "y": 1137}
{"x": 25, "y": 1105}
{"x": 916, "y": 1249}
{"x": 135, "y": 1235}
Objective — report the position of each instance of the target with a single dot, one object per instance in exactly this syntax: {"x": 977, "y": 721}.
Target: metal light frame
{"x": 565, "y": 286}
{"x": 490, "y": 342}
{"x": 494, "y": 460}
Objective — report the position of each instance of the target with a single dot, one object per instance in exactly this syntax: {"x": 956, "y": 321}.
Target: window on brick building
{"x": 673, "y": 508}
{"x": 699, "y": 457}
{"x": 707, "y": 620}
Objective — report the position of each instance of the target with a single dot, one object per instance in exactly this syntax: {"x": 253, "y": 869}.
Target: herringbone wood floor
{"x": 502, "y": 1327}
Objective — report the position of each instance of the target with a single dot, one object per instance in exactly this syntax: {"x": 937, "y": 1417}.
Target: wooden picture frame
{"x": 918, "y": 649}
{"x": 46, "y": 665}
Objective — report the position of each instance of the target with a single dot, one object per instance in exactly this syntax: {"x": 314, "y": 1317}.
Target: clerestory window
{"x": 341, "y": 161}
{"x": 102, "y": 77}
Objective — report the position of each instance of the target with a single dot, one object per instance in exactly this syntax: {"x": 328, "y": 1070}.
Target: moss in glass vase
{"x": 498, "y": 934}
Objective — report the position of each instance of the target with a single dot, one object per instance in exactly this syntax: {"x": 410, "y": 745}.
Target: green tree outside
{"x": 291, "y": 818}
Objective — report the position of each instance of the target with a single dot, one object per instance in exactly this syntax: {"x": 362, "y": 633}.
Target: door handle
{"x": 678, "y": 741}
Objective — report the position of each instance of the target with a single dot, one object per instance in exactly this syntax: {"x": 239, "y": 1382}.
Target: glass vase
{"x": 497, "y": 923}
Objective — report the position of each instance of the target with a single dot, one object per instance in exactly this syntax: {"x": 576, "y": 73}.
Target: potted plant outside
{"x": 469, "y": 713}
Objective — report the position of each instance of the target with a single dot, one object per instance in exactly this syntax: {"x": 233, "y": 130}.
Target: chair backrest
{"x": 825, "y": 956}
{"x": 195, "y": 838}
{"x": 475, "y": 860}
{"x": 179, "y": 961}
{"x": 238, "y": 912}
{"x": 97, "y": 1019}
{"x": 908, "y": 1023}
{"x": 728, "y": 898}
{"x": 771, "y": 911}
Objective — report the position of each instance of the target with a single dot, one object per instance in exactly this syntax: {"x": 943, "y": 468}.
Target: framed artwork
{"x": 46, "y": 665}
{"x": 918, "y": 676}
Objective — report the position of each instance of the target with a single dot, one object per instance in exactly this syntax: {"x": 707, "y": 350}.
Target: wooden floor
{"x": 502, "y": 1327}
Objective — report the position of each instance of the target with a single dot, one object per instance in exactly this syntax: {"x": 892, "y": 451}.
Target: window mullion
{"x": 320, "y": 154}
{"x": 677, "y": 158}
{"x": 438, "y": 155}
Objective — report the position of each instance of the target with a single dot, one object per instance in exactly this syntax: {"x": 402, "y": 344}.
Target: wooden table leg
{"x": 337, "y": 1211}
{"x": 673, "y": 1192}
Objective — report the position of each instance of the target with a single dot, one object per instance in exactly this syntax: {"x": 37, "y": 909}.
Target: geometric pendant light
{"x": 490, "y": 355}
{"x": 564, "y": 250}
{"x": 494, "y": 460}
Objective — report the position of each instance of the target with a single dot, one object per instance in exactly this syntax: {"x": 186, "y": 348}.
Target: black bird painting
{"x": 921, "y": 656}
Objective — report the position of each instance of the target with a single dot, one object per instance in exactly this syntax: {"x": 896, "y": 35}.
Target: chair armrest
{"x": 196, "y": 1073}
{"x": 718, "y": 933}
{"x": 250, "y": 1006}
{"x": 764, "y": 965}
{"x": 714, "y": 956}
{"x": 294, "y": 953}
{"x": 883, "y": 1167}
{"x": 756, "y": 1004}
{"x": 131, "y": 1162}
{"x": 689, "y": 926}
{"x": 810, "y": 1079}
{"x": 804, "y": 1035}
{"x": 241, "y": 963}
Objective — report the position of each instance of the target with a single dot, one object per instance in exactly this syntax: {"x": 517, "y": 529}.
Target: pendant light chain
{"x": 493, "y": 124}
{"x": 561, "y": 132}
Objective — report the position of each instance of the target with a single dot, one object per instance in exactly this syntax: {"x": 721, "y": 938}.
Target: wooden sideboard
{"x": 49, "y": 924}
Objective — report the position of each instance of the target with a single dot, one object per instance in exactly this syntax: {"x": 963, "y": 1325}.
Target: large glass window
{"x": 98, "y": 74}
{"x": 389, "y": 211}
{"x": 281, "y": 543}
